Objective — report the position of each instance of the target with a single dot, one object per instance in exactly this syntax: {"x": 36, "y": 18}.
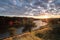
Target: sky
{"x": 29, "y": 7}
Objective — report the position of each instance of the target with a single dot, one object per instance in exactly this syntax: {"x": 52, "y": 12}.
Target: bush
{"x": 39, "y": 35}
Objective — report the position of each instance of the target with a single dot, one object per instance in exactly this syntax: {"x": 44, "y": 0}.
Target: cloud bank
{"x": 29, "y": 7}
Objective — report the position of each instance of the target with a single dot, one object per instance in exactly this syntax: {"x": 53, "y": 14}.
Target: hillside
{"x": 31, "y": 35}
{"x": 48, "y": 32}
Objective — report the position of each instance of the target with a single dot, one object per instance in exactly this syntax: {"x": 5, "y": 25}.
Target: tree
{"x": 28, "y": 25}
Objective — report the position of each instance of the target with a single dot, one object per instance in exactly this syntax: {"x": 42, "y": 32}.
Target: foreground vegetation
{"x": 10, "y": 24}
{"x": 51, "y": 31}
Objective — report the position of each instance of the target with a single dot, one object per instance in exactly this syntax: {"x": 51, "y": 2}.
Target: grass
{"x": 48, "y": 32}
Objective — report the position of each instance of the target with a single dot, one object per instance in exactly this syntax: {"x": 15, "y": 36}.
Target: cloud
{"x": 29, "y": 7}
{"x": 2, "y": 9}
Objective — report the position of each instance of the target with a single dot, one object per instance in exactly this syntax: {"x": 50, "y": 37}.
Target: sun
{"x": 42, "y": 17}
{"x": 45, "y": 16}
